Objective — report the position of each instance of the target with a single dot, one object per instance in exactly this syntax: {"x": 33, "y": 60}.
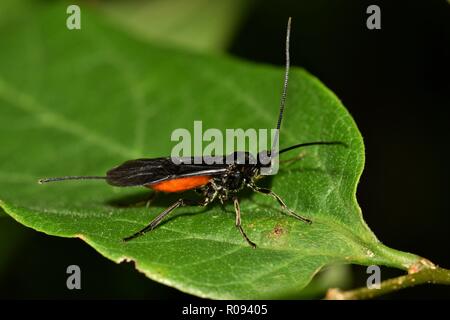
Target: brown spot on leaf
{"x": 277, "y": 231}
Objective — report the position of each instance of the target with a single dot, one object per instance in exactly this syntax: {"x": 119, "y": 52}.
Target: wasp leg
{"x": 180, "y": 203}
{"x": 281, "y": 202}
{"x": 237, "y": 208}
{"x": 157, "y": 220}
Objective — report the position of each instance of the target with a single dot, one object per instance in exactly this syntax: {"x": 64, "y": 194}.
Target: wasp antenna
{"x": 45, "y": 180}
{"x": 285, "y": 86}
{"x": 316, "y": 143}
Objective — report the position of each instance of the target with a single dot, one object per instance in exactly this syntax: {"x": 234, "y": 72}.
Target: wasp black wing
{"x": 149, "y": 171}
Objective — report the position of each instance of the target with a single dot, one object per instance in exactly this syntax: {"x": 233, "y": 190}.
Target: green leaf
{"x": 81, "y": 102}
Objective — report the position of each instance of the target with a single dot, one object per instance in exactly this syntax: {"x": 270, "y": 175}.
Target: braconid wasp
{"x": 222, "y": 181}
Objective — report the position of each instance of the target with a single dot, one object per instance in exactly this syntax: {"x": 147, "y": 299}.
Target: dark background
{"x": 395, "y": 83}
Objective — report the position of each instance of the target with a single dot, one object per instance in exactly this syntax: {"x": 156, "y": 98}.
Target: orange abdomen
{"x": 180, "y": 184}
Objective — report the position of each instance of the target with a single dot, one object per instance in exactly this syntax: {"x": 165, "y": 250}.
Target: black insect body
{"x": 222, "y": 180}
